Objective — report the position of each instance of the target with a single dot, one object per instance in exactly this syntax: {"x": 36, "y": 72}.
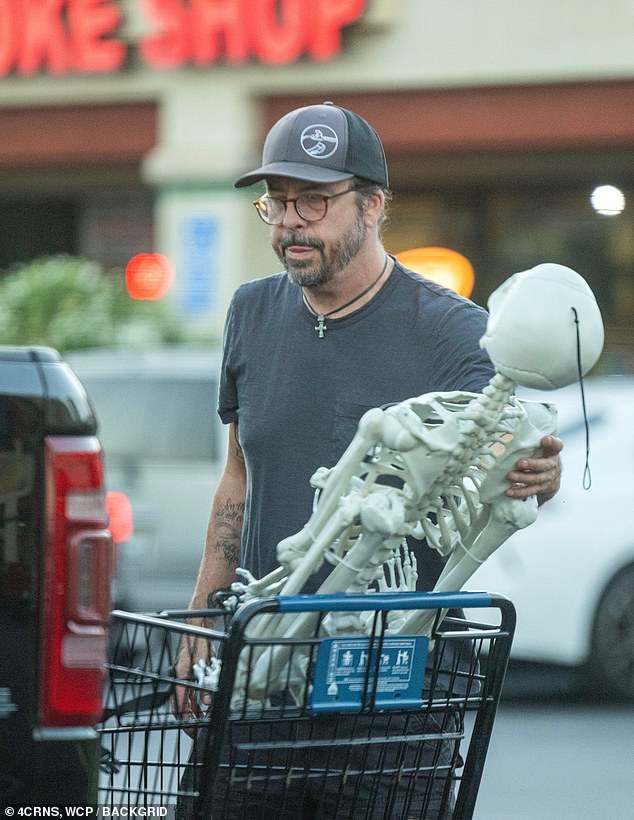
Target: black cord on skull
{"x": 587, "y": 477}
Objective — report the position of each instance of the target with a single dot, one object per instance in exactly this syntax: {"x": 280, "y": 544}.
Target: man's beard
{"x": 307, "y": 274}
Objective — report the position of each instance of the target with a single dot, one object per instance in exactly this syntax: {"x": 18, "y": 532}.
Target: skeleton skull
{"x": 531, "y": 335}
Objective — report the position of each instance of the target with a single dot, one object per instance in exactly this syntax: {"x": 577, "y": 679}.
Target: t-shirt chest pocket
{"x": 346, "y": 421}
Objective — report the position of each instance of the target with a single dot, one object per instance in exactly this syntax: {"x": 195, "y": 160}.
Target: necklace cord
{"x": 587, "y": 477}
{"x": 352, "y": 301}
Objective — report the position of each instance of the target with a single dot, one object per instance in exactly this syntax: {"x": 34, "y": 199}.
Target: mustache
{"x": 297, "y": 238}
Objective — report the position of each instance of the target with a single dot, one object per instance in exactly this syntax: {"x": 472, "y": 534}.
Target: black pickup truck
{"x": 55, "y": 571}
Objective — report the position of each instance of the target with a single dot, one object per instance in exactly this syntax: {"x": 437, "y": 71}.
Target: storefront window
{"x": 106, "y": 227}
{"x": 507, "y": 230}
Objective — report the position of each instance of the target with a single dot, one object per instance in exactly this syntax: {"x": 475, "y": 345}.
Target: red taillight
{"x": 120, "y": 517}
{"x": 76, "y": 585}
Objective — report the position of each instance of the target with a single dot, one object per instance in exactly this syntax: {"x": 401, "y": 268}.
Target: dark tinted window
{"x": 32, "y": 229}
{"x": 19, "y": 512}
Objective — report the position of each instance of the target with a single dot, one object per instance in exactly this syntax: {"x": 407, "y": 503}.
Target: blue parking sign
{"x": 199, "y": 238}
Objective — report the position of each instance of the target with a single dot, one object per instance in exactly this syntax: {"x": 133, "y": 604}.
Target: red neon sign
{"x": 59, "y": 36}
{"x": 80, "y": 36}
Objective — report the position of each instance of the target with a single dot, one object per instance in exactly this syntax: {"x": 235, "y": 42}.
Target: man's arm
{"x": 218, "y": 564}
{"x": 224, "y": 531}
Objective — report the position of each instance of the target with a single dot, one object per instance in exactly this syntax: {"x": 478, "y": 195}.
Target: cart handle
{"x": 378, "y": 601}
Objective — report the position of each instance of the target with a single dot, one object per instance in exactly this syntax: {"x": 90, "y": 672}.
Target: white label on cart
{"x": 351, "y": 673}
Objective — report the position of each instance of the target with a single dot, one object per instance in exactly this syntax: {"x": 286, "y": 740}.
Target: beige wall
{"x": 209, "y": 125}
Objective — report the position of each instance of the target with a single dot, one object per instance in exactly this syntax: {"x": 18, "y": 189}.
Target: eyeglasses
{"x": 309, "y": 207}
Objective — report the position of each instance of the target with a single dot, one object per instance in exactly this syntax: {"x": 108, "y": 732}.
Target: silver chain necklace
{"x": 321, "y": 327}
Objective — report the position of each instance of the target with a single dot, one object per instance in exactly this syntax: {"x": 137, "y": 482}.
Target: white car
{"x": 571, "y": 573}
{"x": 165, "y": 449}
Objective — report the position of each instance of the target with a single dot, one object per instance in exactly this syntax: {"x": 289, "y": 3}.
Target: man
{"x": 344, "y": 328}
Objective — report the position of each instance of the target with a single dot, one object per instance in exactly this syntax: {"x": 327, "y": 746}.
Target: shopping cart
{"x": 354, "y": 724}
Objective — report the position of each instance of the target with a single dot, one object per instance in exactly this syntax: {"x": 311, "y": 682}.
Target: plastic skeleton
{"x": 432, "y": 466}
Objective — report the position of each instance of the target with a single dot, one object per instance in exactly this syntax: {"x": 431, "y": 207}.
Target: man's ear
{"x": 373, "y": 206}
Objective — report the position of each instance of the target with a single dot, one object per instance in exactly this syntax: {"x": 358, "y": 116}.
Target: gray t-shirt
{"x": 298, "y": 398}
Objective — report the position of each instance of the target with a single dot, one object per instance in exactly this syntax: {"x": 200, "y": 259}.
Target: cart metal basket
{"x": 354, "y": 725}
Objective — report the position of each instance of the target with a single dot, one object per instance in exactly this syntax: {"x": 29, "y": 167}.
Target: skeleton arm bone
{"x": 267, "y": 669}
{"x": 307, "y": 565}
{"x": 335, "y": 486}
{"x": 397, "y": 429}
{"x": 366, "y": 557}
{"x": 507, "y": 516}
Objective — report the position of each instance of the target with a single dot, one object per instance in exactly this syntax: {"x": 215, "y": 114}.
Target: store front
{"x": 496, "y": 138}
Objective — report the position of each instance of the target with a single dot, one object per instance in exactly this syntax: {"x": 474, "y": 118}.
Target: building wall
{"x": 436, "y": 76}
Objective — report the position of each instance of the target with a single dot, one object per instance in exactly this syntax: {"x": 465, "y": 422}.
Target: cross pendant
{"x": 321, "y": 326}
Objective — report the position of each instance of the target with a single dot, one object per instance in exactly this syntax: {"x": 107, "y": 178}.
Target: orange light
{"x": 119, "y": 511}
{"x": 446, "y": 267}
{"x": 149, "y": 276}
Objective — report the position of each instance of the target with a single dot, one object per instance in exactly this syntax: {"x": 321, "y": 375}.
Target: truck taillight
{"x": 120, "y": 517}
{"x": 77, "y": 583}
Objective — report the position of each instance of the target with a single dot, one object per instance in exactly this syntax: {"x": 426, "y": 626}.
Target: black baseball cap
{"x": 321, "y": 143}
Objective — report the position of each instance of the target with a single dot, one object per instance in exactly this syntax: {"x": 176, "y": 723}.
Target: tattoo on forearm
{"x": 228, "y": 530}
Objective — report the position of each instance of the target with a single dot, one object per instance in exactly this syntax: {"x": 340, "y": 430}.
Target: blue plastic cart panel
{"x": 346, "y": 669}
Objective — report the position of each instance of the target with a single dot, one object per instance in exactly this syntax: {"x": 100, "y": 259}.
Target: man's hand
{"x": 539, "y": 476}
{"x": 186, "y": 702}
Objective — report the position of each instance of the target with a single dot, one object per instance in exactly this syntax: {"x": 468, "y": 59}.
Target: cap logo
{"x": 319, "y": 141}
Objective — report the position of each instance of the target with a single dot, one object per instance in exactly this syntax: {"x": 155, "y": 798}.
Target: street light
{"x": 442, "y": 265}
{"x": 607, "y": 200}
{"x": 149, "y": 276}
